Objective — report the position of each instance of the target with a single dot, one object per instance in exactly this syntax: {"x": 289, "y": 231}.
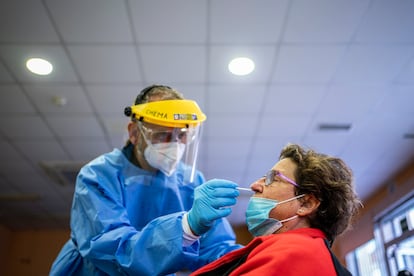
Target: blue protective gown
{"x": 127, "y": 221}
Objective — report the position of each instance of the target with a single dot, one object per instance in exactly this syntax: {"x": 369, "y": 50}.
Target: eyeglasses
{"x": 270, "y": 178}
{"x": 165, "y": 135}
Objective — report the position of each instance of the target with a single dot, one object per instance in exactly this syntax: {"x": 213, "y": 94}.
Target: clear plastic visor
{"x": 189, "y": 136}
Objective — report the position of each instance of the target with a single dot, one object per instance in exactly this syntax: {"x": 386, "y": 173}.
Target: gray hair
{"x": 161, "y": 92}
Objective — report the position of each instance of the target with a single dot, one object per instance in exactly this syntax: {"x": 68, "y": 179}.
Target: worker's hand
{"x": 212, "y": 200}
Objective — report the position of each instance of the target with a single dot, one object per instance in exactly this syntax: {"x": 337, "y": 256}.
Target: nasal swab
{"x": 244, "y": 189}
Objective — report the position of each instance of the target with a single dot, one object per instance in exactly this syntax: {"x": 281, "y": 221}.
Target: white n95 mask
{"x": 164, "y": 156}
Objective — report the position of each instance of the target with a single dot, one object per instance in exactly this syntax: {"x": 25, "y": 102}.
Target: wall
{"x": 5, "y": 244}
{"x": 32, "y": 252}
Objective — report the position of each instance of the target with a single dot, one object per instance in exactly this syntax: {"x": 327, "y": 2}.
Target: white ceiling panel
{"x": 220, "y": 165}
{"x": 17, "y": 167}
{"x": 58, "y": 98}
{"x": 116, "y": 125}
{"x": 361, "y": 99}
{"x": 25, "y": 21}
{"x": 174, "y": 63}
{"x": 75, "y": 126}
{"x": 248, "y": 23}
{"x": 21, "y": 127}
{"x": 160, "y": 21}
{"x": 9, "y": 152}
{"x": 95, "y": 21}
{"x": 43, "y": 150}
{"x": 283, "y": 99}
{"x": 268, "y": 147}
{"x": 288, "y": 125}
{"x": 249, "y": 99}
{"x": 230, "y": 126}
{"x": 399, "y": 100}
{"x": 311, "y": 21}
{"x": 86, "y": 150}
{"x": 373, "y": 63}
{"x": 5, "y": 77}
{"x": 34, "y": 184}
{"x": 13, "y": 100}
{"x": 369, "y": 149}
{"x": 388, "y": 21}
{"x": 406, "y": 75}
{"x": 117, "y": 140}
{"x": 329, "y": 142}
{"x": 104, "y": 103}
{"x": 397, "y": 124}
{"x": 222, "y": 148}
{"x": 393, "y": 158}
{"x": 106, "y": 64}
{"x": 307, "y": 64}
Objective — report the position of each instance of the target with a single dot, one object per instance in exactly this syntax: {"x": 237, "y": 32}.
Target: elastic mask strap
{"x": 290, "y": 199}
{"x": 287, "y": 200}
{"x": 284, "y": 220}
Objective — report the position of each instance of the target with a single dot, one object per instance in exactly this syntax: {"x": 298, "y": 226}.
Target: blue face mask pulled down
{"x": 257, "y": 216}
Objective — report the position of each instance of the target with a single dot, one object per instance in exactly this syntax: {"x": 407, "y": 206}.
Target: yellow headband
{"x": 170, "y": 113}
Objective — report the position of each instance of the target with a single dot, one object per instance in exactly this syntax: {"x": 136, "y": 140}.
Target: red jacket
{"x": 296, "y": 252}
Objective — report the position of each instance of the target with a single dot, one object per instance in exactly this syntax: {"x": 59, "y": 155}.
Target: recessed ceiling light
{"x": 39, "y": 66}
{"x": 241, "y": 66}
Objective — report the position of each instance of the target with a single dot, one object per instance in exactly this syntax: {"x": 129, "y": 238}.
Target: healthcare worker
{"x": 145, "y": 209}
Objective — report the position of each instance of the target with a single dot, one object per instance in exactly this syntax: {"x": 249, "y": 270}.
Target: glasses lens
{"x": 161, "y": 136}
{"x": 166, "y": 135}
{"x": 269, "y": 177}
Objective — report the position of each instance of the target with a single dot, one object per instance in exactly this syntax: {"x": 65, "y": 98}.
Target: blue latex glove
{"x": 212, "y": 200}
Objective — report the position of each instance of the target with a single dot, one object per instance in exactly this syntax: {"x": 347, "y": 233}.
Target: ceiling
{"x": 317, "y": 62}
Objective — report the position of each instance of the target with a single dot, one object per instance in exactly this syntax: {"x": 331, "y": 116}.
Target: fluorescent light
{"x": 334, "y": 126}
{"x": 241, "y": 66}
{"x": 39, "y": 66}
{"x": 408, "y": 136}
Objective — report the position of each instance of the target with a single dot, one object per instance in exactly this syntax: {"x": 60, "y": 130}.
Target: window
{"x": 366, "y": 260}
{"x": 392, "y": 248}
{"x": 395, "y": 232}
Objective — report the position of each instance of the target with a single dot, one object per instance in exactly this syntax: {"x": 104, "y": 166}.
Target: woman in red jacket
{"x": 298, "y": 209}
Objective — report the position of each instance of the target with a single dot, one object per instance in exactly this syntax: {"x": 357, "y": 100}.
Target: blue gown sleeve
{"x": 106, "y": 238}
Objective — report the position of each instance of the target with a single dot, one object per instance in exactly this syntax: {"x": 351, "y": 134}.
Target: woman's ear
{"x": 133, "y": 132}
{"x": 309, "y": 205}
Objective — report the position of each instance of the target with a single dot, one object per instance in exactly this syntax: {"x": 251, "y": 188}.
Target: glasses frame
{"x": 269, "y": 178}
{"x": 173, "y": 134}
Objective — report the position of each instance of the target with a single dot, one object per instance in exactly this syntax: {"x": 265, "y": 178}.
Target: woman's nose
{"x": 257, "y": 186}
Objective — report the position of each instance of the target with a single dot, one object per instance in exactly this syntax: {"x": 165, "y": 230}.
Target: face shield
{"x": 172, "y": 130}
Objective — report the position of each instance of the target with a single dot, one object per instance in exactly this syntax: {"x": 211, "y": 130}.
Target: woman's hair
{"x": 330, "y": 180}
